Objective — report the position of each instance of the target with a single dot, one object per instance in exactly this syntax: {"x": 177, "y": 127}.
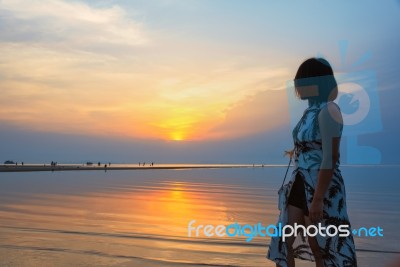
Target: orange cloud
{"x": 103, "y": 76}
{"x": 258, "y": 113}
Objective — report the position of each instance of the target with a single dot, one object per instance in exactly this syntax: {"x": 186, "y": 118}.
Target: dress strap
{"x": 287, "y": 169}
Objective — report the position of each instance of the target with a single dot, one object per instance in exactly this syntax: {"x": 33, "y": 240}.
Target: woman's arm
{"x": 330, "y": 124}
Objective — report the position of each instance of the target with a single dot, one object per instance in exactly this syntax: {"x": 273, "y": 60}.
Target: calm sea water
{"x": 140, "y": 217}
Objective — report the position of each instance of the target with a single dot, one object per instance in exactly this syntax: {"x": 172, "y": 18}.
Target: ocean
{"x": 141, "y": 217}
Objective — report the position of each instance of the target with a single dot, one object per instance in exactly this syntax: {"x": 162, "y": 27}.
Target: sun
{"x": 177, "y": 136}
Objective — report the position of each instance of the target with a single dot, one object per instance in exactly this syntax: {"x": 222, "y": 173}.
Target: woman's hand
{"x": 316, "y": 210}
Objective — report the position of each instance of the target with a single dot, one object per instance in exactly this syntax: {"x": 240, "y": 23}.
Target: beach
{"x": 107, "y": 166}
{"x": 140, "y": 217}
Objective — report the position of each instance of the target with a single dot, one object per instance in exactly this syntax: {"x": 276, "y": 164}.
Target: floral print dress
{"x": 336, "y": 251}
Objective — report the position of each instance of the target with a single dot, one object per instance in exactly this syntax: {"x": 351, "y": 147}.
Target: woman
{"x": 316, "y": 193}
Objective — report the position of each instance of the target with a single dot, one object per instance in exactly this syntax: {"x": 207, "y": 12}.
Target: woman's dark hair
{"x": 316, "y": 72}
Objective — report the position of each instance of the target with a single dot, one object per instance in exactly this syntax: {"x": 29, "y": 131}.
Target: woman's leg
{"x": 312, "y": 241}
{"x": 295, "y": 215}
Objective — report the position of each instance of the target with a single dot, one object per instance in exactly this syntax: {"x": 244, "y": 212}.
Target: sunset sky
{"x": 178, "y": 81}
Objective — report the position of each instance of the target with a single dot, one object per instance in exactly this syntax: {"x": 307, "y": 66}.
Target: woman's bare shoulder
{"x": 331, "y": 111}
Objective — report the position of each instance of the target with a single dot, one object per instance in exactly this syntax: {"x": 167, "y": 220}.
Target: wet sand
{"x": 140, "y": 218}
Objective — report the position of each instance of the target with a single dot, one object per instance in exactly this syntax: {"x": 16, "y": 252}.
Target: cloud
{"x": 61, "y": 60}
{"x": 259, "y": 113}
{"x": 68, "y": 23}
{"x": 70, "y": 67}
{"x": 78, "y": 92}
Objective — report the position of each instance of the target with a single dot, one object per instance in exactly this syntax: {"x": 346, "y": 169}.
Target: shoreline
{"x": 84, "y": 167}
{"x": 39, "y": 168}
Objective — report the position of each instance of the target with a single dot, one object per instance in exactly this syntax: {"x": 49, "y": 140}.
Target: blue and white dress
{"x": 336, "y": 251}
